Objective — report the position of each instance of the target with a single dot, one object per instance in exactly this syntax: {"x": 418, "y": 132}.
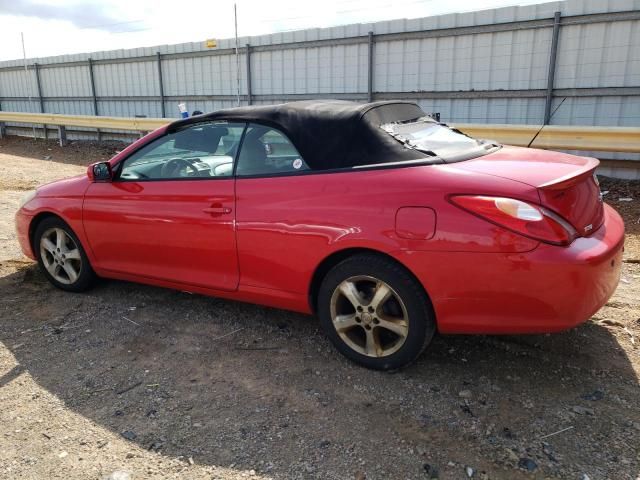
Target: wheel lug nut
{"x": 358, "y": 319}
{"x": 371, "y": 309}
{"x": 359, "y": 308}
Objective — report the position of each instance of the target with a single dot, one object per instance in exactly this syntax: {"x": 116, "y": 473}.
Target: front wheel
{"x": 61, "y": 256}
{"x": 375, "y": 312}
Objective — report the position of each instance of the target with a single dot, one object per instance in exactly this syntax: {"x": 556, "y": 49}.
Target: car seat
{"x": 253, "y": 155}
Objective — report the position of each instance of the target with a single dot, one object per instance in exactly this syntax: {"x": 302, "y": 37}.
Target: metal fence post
{"x": 92, "y": 83}
{"x": 93, "y": 88}
{"x": 40, "y": 99}
{"x": 161, "y": 85}
{"x": 39, "y": 85}
{"x": 370, "y": 69}
{"x": 62, "y": 135}
{"x": 552, "y": 68}
{"x": 248, "y": 74}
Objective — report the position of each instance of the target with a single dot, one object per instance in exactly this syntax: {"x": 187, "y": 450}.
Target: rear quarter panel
{"x": 287, "y": 225}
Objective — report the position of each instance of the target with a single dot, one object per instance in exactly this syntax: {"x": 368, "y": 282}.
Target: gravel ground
{"x": 131, "y": 381}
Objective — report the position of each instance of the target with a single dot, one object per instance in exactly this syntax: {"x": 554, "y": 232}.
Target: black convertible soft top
{"x": 331, "y": 134}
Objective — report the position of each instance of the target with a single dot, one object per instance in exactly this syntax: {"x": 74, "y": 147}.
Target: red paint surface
{"x": 266, "y": 237}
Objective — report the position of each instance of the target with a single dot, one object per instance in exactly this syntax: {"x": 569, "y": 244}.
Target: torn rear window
{"x": 438, "y": 140}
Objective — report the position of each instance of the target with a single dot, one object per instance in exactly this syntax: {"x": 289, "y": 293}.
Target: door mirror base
{"x": 100, "y": 172}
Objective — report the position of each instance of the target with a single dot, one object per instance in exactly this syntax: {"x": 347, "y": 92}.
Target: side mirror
{"x": 100, "y": 172}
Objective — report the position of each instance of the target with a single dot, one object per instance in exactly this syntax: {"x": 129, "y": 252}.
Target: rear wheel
{"x": 375, "y": 312}
{"x": 61, "y": 256}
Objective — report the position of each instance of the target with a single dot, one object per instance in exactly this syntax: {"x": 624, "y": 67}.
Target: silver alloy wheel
{"x": 369, "y": 316}
{"x": 60, "y": 256}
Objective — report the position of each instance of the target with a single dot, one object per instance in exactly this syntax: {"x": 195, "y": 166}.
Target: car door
{"x": 169, "y": 212}
{"x": 281, "y": 220}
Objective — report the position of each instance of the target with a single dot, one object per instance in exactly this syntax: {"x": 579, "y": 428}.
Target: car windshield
{"x": 438, "y": 140}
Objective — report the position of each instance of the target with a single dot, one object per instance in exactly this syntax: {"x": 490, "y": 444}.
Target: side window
{"x": 202, "y": 150}
{"x": 267, "y": 151}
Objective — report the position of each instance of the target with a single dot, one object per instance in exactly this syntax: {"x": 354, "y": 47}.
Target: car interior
{"x": 209, "y": 150}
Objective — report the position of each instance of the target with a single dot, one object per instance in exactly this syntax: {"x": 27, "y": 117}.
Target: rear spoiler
{"x": 574, "y": 177}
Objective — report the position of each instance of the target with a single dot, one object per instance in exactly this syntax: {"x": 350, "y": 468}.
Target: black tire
{"x": 86, "y": 276}
{"x": 417, "y": 307}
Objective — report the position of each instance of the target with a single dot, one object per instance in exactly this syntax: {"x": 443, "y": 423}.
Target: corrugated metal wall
{"x": 483, "y": 67}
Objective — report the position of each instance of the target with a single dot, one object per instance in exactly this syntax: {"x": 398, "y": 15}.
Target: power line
{"x": 131, "y": 31}
{"x": 102, "y": 25}
{"x": 375, "y": 9}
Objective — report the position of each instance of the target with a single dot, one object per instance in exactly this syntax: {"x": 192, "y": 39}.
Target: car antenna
{"x": 550, "y": 117}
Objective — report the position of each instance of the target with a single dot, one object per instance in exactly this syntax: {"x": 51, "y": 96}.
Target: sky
{"x": 57, "y": 27}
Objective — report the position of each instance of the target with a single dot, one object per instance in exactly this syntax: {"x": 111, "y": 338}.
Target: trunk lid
{"x": 566, "y": 183}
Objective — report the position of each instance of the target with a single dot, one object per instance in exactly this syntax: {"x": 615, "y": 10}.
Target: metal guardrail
{"x": 86, "y": 121}
{"x": 553, "y": 137}
{"x": 559, "y": 137}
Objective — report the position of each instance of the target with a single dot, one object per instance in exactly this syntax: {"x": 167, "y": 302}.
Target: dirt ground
{"x": 131, "y": 381}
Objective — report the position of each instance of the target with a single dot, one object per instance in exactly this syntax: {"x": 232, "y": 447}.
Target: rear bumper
{"x": 548, "y": 289}
{"x": 23, "y": 221}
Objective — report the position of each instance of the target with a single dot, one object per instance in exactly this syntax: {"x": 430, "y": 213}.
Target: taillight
{"x": 521, "y": 217}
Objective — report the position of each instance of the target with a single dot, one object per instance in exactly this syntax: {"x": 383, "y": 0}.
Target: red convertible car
{"x": 386, "y": 224}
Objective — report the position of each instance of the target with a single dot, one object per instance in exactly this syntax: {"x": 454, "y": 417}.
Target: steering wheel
{"x": 178, "y": 167}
